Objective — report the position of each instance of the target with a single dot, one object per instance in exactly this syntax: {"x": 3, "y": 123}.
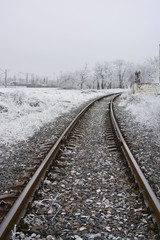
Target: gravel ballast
{"x": 94, "y": 197}
{"x": 144, "y": 144}
{"x": 14, "y": 159}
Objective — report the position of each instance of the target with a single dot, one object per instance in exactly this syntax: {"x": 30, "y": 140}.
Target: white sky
{"x": 47, "y": 36}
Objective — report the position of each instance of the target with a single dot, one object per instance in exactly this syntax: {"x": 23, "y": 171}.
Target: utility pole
{"x": 54, "y": 77}
{"x": 159, "y": 63}
{"x": 33, "y": 83}
{"x": 26, "y": 79}
{"x": 6, "y": 78}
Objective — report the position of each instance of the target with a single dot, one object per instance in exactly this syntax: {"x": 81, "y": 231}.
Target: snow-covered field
{"x": 144, "y": 109}
{"x": 24, "y": 111}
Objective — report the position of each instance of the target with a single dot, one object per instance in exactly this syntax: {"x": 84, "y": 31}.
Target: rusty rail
{"x": 148, "y": 193}
{"x": 19, "y": 208}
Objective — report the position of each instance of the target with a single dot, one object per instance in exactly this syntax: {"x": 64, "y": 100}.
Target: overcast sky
{"x": 47, "y": 36}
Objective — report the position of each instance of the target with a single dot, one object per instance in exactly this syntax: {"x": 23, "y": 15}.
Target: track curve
{"x": 18, "y": 208}
{"x": 26, "y": 196}
{"x": 146, "y": 189}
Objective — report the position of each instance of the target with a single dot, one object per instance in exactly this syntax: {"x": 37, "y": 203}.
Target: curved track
{"x": 20, "y": 205}
{"x": 149, "y": 195}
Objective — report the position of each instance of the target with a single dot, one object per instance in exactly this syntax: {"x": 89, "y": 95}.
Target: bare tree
{"x": 124, "y": 73}
{"x": 66, "y": 80}
{"x": 99, "y": 75}
{"x": 103, "y": 74}
{"x": 149, "y": 70}
{"x": 84, "y": 75}
{"x": 121, "y": 69}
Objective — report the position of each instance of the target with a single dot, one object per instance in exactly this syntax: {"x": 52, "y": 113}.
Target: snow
{"x": 144, "y": 109}
{"x": 23, "y": 111}
{"x": 76, "y": 237}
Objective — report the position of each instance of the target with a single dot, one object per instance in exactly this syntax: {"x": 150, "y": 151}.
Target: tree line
{"x": 106, "y": 75}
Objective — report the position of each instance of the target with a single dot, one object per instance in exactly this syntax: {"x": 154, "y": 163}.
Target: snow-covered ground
{"x": 144, "y": 109}
{"x": 24, "y": 111}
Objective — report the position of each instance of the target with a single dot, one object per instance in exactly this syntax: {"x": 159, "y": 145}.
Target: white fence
{"x": 147, "y": 88}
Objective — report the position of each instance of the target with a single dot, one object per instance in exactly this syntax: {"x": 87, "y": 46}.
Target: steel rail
{"x": 18, "y": 209}
{"x": 147, "y": 191}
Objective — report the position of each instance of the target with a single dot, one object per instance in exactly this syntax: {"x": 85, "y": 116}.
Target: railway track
{"x": 57, "y": 164}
